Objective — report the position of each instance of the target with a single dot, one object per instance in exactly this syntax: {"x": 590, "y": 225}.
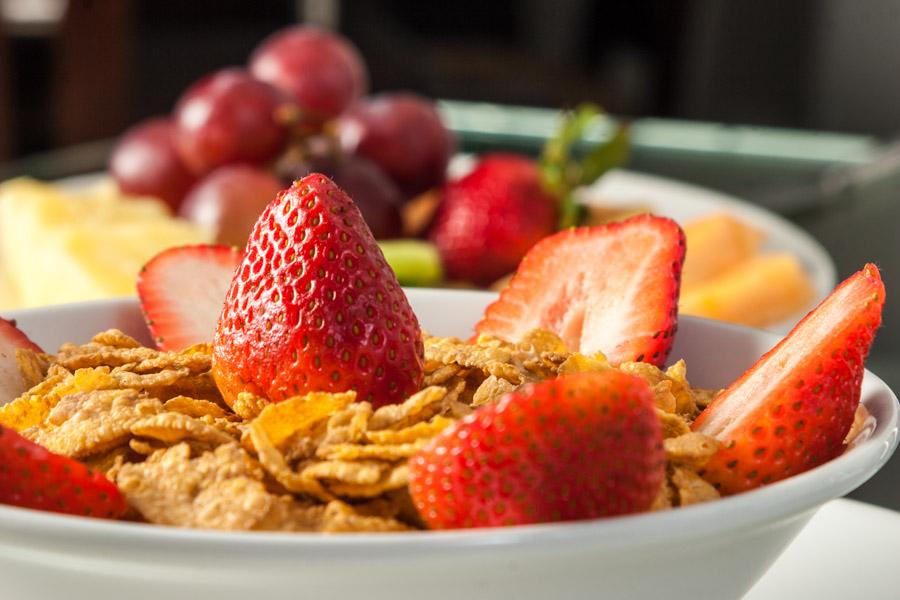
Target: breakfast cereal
{"x": 154, "y": 423}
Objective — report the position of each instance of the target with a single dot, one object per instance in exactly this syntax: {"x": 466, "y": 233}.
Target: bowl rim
{"x": 750, "y": 510}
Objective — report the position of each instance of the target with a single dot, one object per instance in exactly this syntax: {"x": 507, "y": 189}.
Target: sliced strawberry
{"x": 792, "y": 409}
{"x": 315, "y": 307}
{"x": 611, "y": 289}
{"x": 33, "y": 477}
{"x": 182, "y": 291}
{"x": 12, "y": 383}
{"x": 581, "y": 446}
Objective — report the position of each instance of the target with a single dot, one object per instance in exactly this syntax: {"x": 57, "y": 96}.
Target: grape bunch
{"x": 239, "y": 135}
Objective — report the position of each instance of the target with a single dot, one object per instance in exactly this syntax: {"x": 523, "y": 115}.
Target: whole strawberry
{"x": 578, "y": 447}
{"x": 791, "y": 411}
{"x": 314, "y": 306}
{"x": 489, "y": 219}
{"x": 33, "y": 477}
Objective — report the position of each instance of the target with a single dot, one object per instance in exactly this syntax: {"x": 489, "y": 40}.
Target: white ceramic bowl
{"x": 715, "y": 550}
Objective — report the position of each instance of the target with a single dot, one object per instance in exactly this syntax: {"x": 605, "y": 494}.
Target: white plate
{"x": 862, "y": 543}
{"x": 684, "y": 202}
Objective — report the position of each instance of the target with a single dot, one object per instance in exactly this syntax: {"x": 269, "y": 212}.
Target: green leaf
{"x": 562, "y": 171}
{"x": 606, "y": 156}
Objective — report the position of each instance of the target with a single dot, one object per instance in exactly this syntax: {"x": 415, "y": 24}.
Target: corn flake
{"x": 87, "y": 423}
{"x": 691, "y": 488}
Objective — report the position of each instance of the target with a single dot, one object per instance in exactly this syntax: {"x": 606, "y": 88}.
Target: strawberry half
{"x": 792, "y": 409}
{"x": 12, "y": 383}
{"x": 33, "y": 477}
{"x": 314, "y": 306}
{"x": 182, "y": 290}
{"x": 581, "y": 446}
{"x": 611, "y": 288}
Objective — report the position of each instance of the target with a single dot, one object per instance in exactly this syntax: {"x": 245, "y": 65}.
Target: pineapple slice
{"x": 60, "y": 247}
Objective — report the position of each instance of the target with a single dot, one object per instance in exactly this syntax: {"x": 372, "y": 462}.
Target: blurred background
{"x": 792, "y": 105}
{"x": 78, "y": 70}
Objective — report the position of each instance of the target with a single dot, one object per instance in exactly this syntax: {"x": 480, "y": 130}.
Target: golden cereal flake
{"x": 275, "y": 463}
{"x": 441, "y": 374}
{"x": 87, "y": 423}
{"x": 672, "y": 425}
{"x": 490, "y": 390}
{"x": 541, "y": 340}
{"x": 341, "y": 517}
{"x": 347, "y": 425}
{"x": 579, "y": 363}
{"x": 385, "y": 452}
{"x": 453, "y": 404}
{"x": 220, "y": 489}
{"x": 141, "y": 381}
{"x": 172, "y": 427}
{"x": 691, "y": 488}
{"x": 32, "y": 407}
{"x": 665, "y": 498}
{"x": 421, "y": 406}
{"x": 355, "y": 472}
{"x": 501, "y": 361}
{"x": 116, "y": 339}
{"x": 194, "y": 407}
{"x": 703, "y": 397}
{"x": 248, "y": 405}
{"x": 422, "y": 430}
{"x": 395, "y": 479}
{"x": 239, "y": 503}
{"x": 663, "y": 396}
{"x": 677, "y": 373}
{"x": 678, "y": 386}
{"x": 146, "y": 447}
{"x": 289, "y": 514}
{"x": 195, "y": 362}
{"x": 32, "y": 365}
{"x": 299, "y": 415}
{"x": 91, "y": 356}
{"x": 690, "y": 449}
{"x": 108, "y": 462}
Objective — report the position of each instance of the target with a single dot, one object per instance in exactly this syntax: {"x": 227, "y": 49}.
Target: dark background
{"x": 820, "y": 64}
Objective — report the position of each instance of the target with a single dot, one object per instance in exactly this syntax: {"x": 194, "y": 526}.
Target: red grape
{"x": 230, "y": 200}
{"x": 145, "y": 162}
{"x": 377, "y": 197}
{"x": 322, "y": 71}
{"x": 403, "y": 134}
{"x": 229, "y": 117}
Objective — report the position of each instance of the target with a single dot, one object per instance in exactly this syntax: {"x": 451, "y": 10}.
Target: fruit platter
{"x": 234, "y": 138}
{"x": 276, "y": 410}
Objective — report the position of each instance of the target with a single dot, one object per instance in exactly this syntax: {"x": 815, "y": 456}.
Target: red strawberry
{"x": 182, "y": 291}
{"x": 611, "y": 288}
{"x": 489, "y": 219}
{"x": 578, "y": 447}
{"x": 791, "y": 410}
{"x": 12, "y": 383}
{"x": 314, "y": 306}
{"x": 33, "y": 477}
